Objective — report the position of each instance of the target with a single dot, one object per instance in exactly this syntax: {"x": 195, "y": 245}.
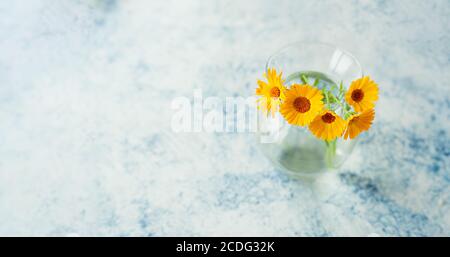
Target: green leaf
{"x": 316, "y": 82}
{"x": 335, "y": 98}
{"x": 327, "y": 99}
{"x": 341, "y": 90}
{"x": 331, "y": 98}
{"x": 304, "y": 78}
{"x": 332, "y": 87}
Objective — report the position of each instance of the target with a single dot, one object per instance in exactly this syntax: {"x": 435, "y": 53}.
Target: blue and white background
{"x": 86, "y": 146}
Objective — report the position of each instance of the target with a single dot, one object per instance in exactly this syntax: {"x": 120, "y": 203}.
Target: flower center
{"x": 357, "y": 95}
{"x": 328, "y": 118}
{"x": 275, "y": 92}
{"x": 302, "y": 104}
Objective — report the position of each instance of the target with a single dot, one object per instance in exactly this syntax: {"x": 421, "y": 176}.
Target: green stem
{"x": 330, "y": 153}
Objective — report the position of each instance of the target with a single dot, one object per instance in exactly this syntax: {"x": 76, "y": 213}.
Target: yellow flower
{"x": 302, "y": 104}
{"x": 327, "y": 125}
{"x": 362, "y": 94}
{"x": 272, "y": 92}
{"x": 358, "y": 123}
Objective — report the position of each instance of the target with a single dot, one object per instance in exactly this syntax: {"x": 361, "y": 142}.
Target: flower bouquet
{"x": 316, "y": 104}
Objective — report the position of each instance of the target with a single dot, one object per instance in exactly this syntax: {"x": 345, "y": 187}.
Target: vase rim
{"x": 313, "y": 43}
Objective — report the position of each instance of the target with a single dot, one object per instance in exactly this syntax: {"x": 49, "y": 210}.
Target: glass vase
{"x": 295, "y": 149}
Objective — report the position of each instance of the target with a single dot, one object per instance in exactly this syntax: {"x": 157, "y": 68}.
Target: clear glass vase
{"x": 292, "y": 148}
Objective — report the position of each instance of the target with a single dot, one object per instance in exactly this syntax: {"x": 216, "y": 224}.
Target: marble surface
{"x": 87, "y": 148}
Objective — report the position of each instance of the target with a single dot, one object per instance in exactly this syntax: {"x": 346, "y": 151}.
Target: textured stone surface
{"x": 87, "y": 149}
